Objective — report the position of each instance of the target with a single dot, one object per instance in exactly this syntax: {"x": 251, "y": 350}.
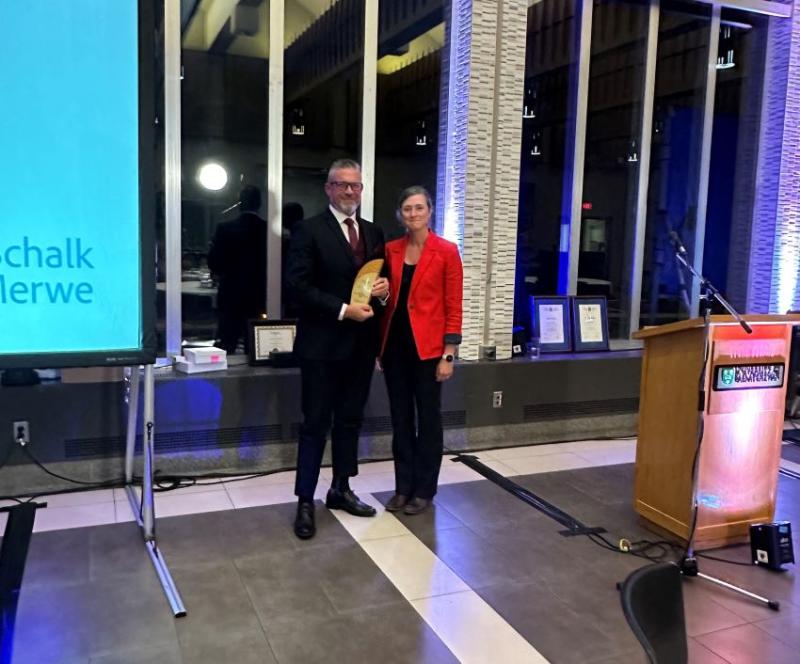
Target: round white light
{"x": 212, "y": 176}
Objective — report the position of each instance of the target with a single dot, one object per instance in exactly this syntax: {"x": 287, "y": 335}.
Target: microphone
{"x": 675, "y": 239}
{"x": 232, "y": 207}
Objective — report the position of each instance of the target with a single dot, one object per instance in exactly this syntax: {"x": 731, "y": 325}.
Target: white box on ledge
{"x": 201, "y": 360}
{"x": 205, "y": 355}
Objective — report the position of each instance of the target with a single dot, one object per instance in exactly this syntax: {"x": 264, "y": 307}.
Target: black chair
{"x": 652, "y": 601}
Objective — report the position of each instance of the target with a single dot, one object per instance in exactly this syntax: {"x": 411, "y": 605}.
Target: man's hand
{"x": 358, "y": 312}
{"x": 380, "y": 288}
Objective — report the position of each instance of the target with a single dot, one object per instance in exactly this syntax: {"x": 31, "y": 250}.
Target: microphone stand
{"x": 708, "y": 293}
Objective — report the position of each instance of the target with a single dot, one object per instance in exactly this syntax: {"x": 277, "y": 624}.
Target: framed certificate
{"x": 590, "y": 323}
{"x": 270, "y": 336}
{"x": 550, "y": 315}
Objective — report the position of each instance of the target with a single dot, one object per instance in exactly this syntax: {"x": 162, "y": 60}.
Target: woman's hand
{"x": 380, "y": 288}
{"x": 444, "y": 370}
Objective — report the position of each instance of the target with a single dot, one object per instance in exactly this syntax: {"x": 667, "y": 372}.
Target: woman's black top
{"x": 401, "y": 338}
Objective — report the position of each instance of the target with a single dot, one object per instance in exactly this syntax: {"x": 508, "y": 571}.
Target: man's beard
{"x": 348, "y": 207}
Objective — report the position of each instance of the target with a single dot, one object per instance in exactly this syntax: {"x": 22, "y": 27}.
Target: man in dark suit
{"x": 336, "y": 342}
{"x": 238, "y": 258}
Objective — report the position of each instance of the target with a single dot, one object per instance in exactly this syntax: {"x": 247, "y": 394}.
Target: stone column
{"x": 775, "y": 246}
{"x": 479, "y": 171}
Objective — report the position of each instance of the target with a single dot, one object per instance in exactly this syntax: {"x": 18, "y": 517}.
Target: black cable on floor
{"x": 28, "y": 497}
{"x": 41, "y": 466}
{"x": 161, "y": 482}
{"x": 168, "y": 482}
{"x": 652, "y": 550}
{"x": 640, "y": 548}
{"x": 723, "y": 560}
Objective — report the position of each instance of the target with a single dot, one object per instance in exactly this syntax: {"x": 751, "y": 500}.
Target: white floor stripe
{"x": 412, "y": 567}
{"x": 466, "y": 624}
{"x": 474, "y": 631}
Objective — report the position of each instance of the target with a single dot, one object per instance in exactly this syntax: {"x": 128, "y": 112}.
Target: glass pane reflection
{"x": 734, "y": 152}
{"x": 224, "y": 144}
{"x": 410, "y": 47}
{"x": 550, "y": 70}
{"x": 611, "y": 171}
{"x": 323, "y": 82}
{"x": 683, "y": 39}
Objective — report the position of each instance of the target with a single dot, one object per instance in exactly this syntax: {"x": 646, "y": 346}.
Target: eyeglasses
{"x": 357, "y": 187}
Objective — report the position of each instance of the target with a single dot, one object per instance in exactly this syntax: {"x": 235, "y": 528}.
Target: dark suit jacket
{"x": 321, "y": 273}
{"x": 238, "y": 257}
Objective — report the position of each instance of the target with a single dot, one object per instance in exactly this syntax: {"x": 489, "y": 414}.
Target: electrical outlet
{"x": 497, "y": 399}
{"x": 22, "y": 432}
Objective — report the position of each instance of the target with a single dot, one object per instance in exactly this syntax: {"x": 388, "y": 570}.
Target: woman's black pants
{"x": 415, "y": 403}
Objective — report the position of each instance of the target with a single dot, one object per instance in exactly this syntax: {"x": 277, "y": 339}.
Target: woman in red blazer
{"x": 421, "y": 331}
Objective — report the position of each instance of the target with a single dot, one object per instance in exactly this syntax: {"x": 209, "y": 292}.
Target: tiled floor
{"x": 481, "y": 578}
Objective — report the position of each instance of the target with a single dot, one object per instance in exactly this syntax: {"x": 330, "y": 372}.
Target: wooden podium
{"x": 745, "y": 389}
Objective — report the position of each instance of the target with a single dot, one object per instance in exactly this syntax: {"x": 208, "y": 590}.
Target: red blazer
{"x": 434, "y": 301}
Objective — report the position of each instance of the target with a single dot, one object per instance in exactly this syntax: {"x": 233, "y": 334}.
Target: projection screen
{"x": 77, "y": 249}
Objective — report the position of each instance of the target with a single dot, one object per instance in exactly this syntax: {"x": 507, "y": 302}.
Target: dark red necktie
{"x": 352, "y": 236}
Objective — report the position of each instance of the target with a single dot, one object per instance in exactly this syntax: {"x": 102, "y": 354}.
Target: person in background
{"x": 238, "y": 260}
{"x": 421, "y": 330}
{"x": 337, "y": 341}
{"x": 291, "y": 215}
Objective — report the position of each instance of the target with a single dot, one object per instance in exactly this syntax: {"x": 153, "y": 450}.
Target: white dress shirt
{"x": 340, "y": 217}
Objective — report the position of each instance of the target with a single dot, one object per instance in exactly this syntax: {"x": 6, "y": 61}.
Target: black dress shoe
{"x": 396, "y": 502}
{"x": 416, "y": 505}
{"x": 348, "y": 501}
{"x": 304, "y": 526}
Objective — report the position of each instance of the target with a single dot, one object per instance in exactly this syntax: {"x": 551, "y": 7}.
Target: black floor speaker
{"x": 771, "y": 544}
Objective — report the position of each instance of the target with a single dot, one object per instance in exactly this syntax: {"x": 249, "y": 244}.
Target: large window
{"x": 576, "y": 235}
{"x": 677, "y": 137}
{"x": 734, "y": 151}
{"x": 613, "y": 151}
{"x": 323, "y": 81}
{"x": 547, "y": 123}
{"x": 410, "y": 42}
{"x": 225, "y": 49}
{"x": 323, "y": 99}
{"x": 701, "y": 174}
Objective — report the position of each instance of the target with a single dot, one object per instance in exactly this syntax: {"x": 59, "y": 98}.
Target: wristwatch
{"x": 448, "y": 357}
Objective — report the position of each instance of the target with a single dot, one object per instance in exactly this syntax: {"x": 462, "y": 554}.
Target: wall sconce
{"x": 725, "y": 54}
{"x": 298, "y": 122}
{"x": 421, "y": 138}
{"x": 633, "y": 153}
{"x": 536, "y": 141}
{"x": 529, "y": 104}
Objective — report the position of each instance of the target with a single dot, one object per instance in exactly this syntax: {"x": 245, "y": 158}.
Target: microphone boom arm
{"x": 705, "y": 285}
